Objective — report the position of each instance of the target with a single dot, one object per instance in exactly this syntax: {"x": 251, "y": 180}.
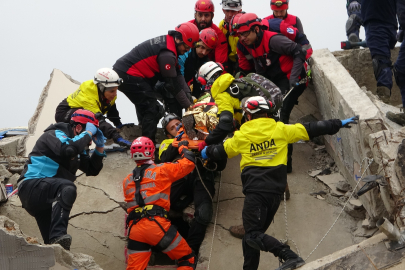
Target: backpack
{"x": 256, "y": 85}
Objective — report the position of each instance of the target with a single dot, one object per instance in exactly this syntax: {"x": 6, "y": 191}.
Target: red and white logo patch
{"x": 167, "y": 66}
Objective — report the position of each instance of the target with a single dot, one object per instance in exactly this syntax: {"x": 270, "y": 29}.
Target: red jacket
{"x": 290, "y": 19}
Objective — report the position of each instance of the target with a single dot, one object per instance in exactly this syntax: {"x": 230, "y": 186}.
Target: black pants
{"x": 141, "y": 93}
{"x": 257, "y": 214}
{"x": 39, "y": 198}
{"x": 202, "y": 203}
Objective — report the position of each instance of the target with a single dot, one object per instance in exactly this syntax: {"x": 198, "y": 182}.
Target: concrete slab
{"x": 332, "y": 181}
{"x": 59, "y": 87}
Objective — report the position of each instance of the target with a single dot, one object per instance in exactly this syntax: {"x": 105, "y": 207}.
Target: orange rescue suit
{"x": 146, "y": 233}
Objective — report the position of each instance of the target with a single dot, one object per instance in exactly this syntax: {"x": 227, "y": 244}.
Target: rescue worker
{"x": 191, "y": 188}
{"x": 147, "y": 193}
{"x": 46, "y": 186}
{"x": 153, "y": 60}
{"x": 262, "y": 143}
{"x": 280, "y": 8}
{"x": 203, "y": 16}
{"x": 230, "y": 9}
{"x": 98, "y": 96}
{"x": 380, "y": 23}
{"x": 354, "y": 22}
{"x": 191, "y": 61}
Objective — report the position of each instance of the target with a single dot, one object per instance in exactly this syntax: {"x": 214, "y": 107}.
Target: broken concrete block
{"x": 365, "y": 224}
{"x": 320, "y": 197}
{"x": 13, "y": 180}
{"x": 3, "y": 193}
{"x": 343, "y": 186}
{"x": 16, "y": 169}
{"x": 399, "y": 164}
{"x": 356, "y": 203}
{"x": 331, "y": 181}
{"x": 315, "y": 173}
{"x": 4, "y": 172}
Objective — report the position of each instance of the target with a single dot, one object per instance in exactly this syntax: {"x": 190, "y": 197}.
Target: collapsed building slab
{"x": 377, "y": 138}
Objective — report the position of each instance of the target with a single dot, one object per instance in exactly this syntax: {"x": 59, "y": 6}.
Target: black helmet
{"x": 166, "y": 119}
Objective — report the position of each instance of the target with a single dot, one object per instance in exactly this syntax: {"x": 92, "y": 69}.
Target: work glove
{"x": 202, "y": 145}
{"x": 204, "y": 153}
{"x": 121, "y": 141}
{"x": 99, "y": 138}
{"x": 354, "y": 7}
{"x": 346, "y": 123}
{"x": 92, "y": 128}
{"x": 183, "y": 145}
{"x": 125, "y": 125}
{"x": 293, "y": 83}
{"x": 236, "y": 124}
{"x": 190, "y": 97}
{"x": 183, "y": 100}
{"x": 400, "y": 35}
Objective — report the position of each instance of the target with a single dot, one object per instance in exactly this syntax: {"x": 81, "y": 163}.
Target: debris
{"x": 343, "y": 186}
{"x": 365, "y": 224}
{"x": 318, "y": 193}
{"x": 315, "y": 173}
{"x": 356, "y": 203}
{"x": 320, "y": 197}
{"x": 326, "y": 171}
{"x": 13, "y": 180}
{"x": 4, "y": 172}
{"x": 16, "y": 169}
{"x": 331, "y": 181}
{"x": 320, "y": 148}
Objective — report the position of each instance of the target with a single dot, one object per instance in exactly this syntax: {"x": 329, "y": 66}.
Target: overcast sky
{"x": 79, "y": 37}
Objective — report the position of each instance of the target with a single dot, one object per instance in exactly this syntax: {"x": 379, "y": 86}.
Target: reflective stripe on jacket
{"x": 156, "y": 183}
{"x": 87, "y": 97}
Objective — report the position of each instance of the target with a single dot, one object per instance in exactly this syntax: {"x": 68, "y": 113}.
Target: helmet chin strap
{"x": 101, "y": 88}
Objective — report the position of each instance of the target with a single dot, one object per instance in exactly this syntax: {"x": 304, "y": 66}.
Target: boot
{"x": 289, "y": 259}
{"x": 287, "y": 193}
{"x": 384, "y": 93}
{"x": 354, "y": 38}
{"x": 398, "y": 118}
{"x": 237, "y": 231}
{"x": 65, "y": 241}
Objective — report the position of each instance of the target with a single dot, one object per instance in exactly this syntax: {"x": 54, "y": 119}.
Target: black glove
{"x": 182, "y": 146}
{"x": 190, "y": 97}
{"x": 293, "y": 83}
{"x": 183, "y": 100}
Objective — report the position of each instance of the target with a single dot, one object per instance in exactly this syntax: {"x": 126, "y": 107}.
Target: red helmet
{"x": 204, "y": 6}
{"x": 232, "y": 22}
{"x": 246, "y": 21}
{"x": 279, "y": 4}
{"x": 209, "y": 37}
{"x": 84, "y": 117}
{"x": 142, "y": 149}
{"x": 189, "y": 32}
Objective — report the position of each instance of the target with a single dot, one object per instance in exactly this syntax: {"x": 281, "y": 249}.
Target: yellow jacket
{"x": 164, "y": 145}
{"x": 263, "y": 142}
{"x": 87, "y": 97}
{"x": 232, "y": 41}
{"x": 224, "y": 100}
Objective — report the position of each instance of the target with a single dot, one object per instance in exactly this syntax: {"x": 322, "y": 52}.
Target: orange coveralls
{"x": 155, "y": 190}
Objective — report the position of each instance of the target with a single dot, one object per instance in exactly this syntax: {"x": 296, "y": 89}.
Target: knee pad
{"x": 353, "y": 24}
{"x": 188, "y": 260}
{"x": 226, "y": 121}
{"x": 255, "y": 240}
{"x": 67, "y": 196}
{"x": 399, "y": 78}
{"x": 380, "y": 63}
{"x": 204, "y": 213}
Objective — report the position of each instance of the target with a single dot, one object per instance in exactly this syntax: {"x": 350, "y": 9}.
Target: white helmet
{"x": 207, "y": 70}
{"x": 235, "y": 5}
{"x": 258, "y": 103}
{"x": 107, "y": 78}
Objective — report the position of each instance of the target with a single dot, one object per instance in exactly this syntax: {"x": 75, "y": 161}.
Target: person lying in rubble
{"x": 46, "y": 186}
{"x": 190, "y": 189}
{"x": 98, "y": 96}
{"x": 263, "y": 145}
{"x": 147, "y": 194}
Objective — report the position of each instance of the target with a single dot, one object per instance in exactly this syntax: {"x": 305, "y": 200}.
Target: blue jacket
{"x": 59, "y": 153}
{"x": 383, "y": 11}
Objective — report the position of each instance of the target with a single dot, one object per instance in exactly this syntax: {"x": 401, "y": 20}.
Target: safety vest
{"x": 164, "y": 145}
{"x": 87, "y": 97}
{"x": 141, "y": 60}
{"x": 232, "y": 42}
{"x": 290, "y": 19}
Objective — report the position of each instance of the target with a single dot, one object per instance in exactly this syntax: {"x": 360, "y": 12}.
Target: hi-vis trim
{"x": 174, "y": 244}
{"x": 130, "y": 251}
{"x": 150, "y": 199}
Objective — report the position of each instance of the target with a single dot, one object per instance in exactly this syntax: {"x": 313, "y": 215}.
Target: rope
{"x": 354, "y": 189}
{"x": 284, "y": 241}
{"x": 196, "y": 167}
{"x": 215, "y": 222}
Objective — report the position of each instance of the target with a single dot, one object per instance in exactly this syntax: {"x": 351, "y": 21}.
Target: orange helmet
{"x": 232, "y": 22}
{"x": 204, "y": 6}
{"x": 209, "y": 37}
{"x": 189, "y": 32}
{"x": 279, "y": 4}
{"x": 246, "y": 21}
